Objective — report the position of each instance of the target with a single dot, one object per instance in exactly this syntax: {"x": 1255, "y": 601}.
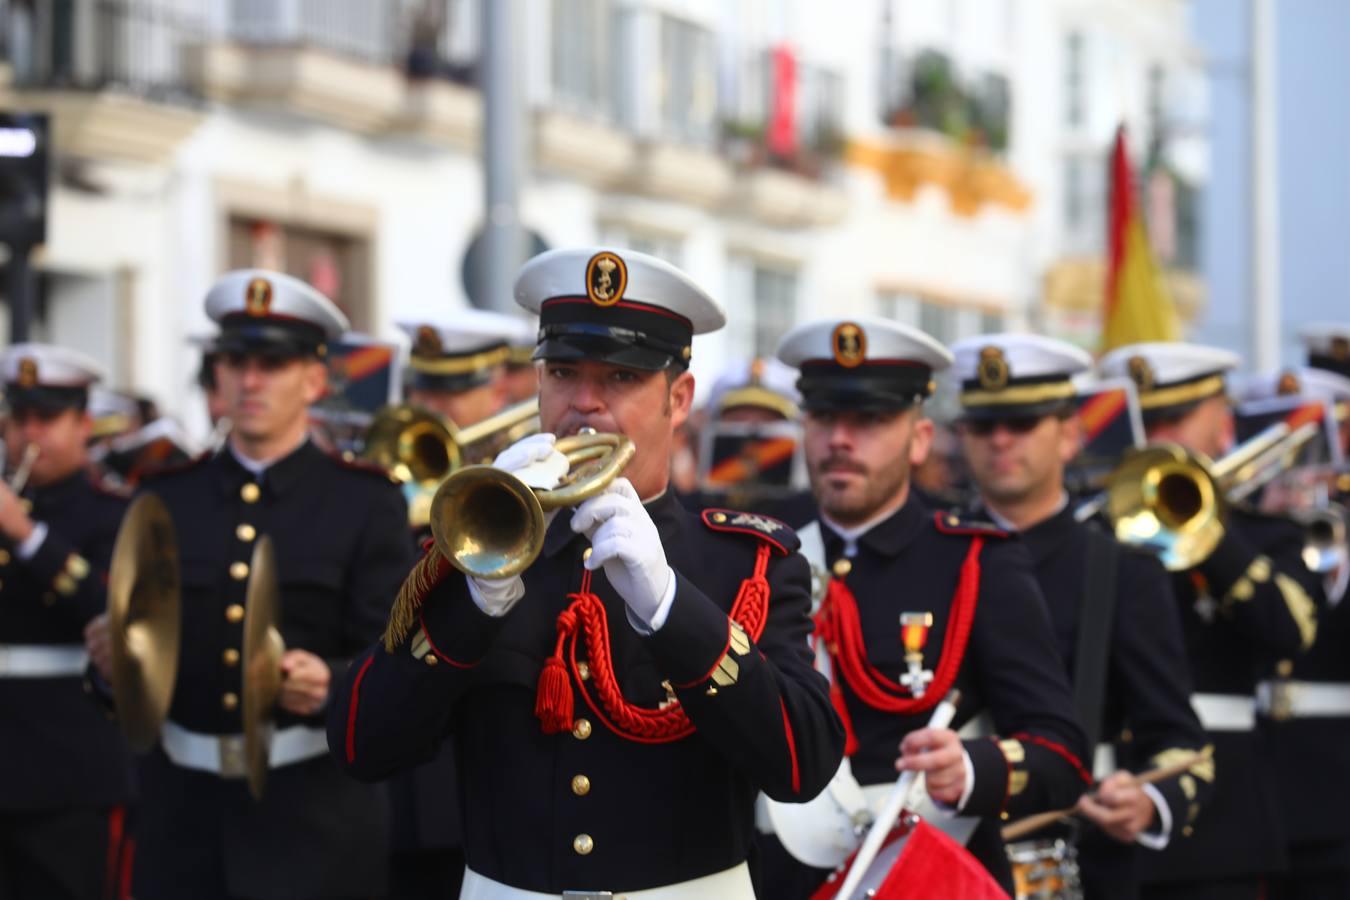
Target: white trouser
{"x": 42, "y": 660}
{"x": 731, "y": 884}
{"x": 223, "y": 754}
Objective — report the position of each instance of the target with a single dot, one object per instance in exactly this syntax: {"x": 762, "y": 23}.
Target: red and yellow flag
{"x": 1138, "y": 307}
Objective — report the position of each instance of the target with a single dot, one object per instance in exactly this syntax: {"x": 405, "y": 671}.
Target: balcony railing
{"x": 139, "y": 45}
{"x": 928, "y": 92}
{"x": 762, "y": 83}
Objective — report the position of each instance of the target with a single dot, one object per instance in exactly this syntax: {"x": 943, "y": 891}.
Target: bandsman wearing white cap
{"x": 921, "y": 601}
{"x": 341, "y": 549}
{"x": 1328, "y": 345}
{"x": 1250, "y": 600}
{"x": 1114, "y": 614}
{"x": 455, "y": 368}
{"x": 1300, "y": 741}
{"x": 64, "y": 770}
{"x": 617, "y": 708}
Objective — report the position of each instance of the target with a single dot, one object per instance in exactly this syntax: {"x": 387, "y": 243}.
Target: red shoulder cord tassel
{"x": 585, "y": 616}
{"x": 839, "y": 626}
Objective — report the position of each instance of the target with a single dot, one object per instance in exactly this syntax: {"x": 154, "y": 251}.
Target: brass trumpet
{"x": 1174, "y": 500}
{"x": 490, "y": 524}
{"x": 420, "y": 448}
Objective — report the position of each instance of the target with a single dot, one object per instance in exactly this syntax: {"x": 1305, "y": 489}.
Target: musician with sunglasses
{"x": 64, "y": 770}
{"x": 920, "y": 602}
{"x": 1247, "y": 603}
{"x": 1115, "y": 619}
{"x": 617, "y": 706}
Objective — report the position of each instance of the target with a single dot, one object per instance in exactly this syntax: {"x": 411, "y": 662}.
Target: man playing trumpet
{"x": 617, "y": 708}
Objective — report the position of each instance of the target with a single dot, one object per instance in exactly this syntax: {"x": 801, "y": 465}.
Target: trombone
{"x": 1174, "y": 501}
{"x": 420, "y": 448}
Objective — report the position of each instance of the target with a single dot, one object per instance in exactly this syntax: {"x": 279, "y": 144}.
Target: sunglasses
{"x": 1011, "y": 424}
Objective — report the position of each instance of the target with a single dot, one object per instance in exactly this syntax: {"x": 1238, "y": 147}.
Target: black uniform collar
{"x": 59, "y": 491}
{"x": 1048, "y": 535}
{"x": 886, "y": 538}
{"x": 277, "y": 478}
{"x": 665, "y": 510}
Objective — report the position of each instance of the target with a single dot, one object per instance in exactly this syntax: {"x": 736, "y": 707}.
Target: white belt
{"x": 1302, "y": 699}
{"x": 223, "y": 754}
{"x": 1225, "y": 712}
{"x": 42, "y": 660}
{"x": 1103, "y": 762}
{"x": 731, "y": 884}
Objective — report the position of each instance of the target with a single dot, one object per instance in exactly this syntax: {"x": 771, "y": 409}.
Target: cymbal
{"x": 144, "y": 615}
{"x": 263, "y": 648}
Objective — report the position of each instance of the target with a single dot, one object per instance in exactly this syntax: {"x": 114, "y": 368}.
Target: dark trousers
{"x": 81, "y": 854}
{"x": 426, "y": 874}
{"x": 1318, "y": 870}
{"x": 1234, "y": 889}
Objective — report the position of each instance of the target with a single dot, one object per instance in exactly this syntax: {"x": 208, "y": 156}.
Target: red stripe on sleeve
{"x": 1060, "y": 750}
{"x": 351, "y": 710}
{"x": 792, "y": 749}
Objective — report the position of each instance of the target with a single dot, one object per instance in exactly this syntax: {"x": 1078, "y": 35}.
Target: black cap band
{"x": 628, "y": 333}
{"x": 875, "y": 385}
{"x": 271, "y": 335}
{"x": 46, "y": 398}
{"x": 1330, "y": 362}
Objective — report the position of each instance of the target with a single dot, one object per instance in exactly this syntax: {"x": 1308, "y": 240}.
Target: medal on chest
{"x": 914, "y": 627}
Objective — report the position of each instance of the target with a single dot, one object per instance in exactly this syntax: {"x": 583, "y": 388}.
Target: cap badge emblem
{"x": 427, "y": 342}
{"x": 606, "y": 279}
{"x": 1288, "y": 384}
{"x": 849, "y": 344}
{"x": 992, "y": 370}
{"x": 28, "y": 372}
{"x": 1140, "y": 372}
{"x": 258, "y": 297}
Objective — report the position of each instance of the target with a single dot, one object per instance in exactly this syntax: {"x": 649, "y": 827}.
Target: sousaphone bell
{"x": 144, "y": 616}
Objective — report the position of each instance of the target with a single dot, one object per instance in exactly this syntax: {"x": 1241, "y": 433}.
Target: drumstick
{"x": 895, "y": 803}
{"x": 1162, "y": 773}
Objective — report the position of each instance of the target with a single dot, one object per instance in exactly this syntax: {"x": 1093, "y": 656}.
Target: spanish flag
{"x": 1138, "y": 307}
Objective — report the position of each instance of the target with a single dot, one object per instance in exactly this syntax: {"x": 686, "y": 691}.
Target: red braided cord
{"x": 838, "y": 624}
{"x": 636, "y": 723}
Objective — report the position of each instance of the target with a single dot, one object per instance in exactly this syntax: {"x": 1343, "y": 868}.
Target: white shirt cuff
{"x": 495, "y": 597}
{"x": 1157, "y": 840}
{"x": 662, "y": 611}
{"x": 965, "y": 792}
{"x": 33, "y": 543}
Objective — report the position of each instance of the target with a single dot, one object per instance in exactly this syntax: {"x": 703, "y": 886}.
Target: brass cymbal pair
{"x": 145, "y": 620}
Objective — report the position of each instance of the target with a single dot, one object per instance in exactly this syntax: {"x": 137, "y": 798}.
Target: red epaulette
{"x": 951, "y": 523}
{"x": 766, "y": 528}
{"x": 349, "y": 460}
{"x": 175, "y": 468}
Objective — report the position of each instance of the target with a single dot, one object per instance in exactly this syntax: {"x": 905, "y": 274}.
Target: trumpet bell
{"x": 144, "y": 615}
{"x": 1162, "y": 497}
{"x": 488, "y": 523}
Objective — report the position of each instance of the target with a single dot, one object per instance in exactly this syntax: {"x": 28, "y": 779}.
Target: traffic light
{"x": 24, "y": 144}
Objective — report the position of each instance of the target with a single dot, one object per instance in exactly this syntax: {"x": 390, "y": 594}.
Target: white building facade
{"x": 939, "y": 161}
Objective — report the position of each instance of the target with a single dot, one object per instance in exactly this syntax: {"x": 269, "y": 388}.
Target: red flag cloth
{"x": 781, "y": 136}
{"x": 931, "y": 864}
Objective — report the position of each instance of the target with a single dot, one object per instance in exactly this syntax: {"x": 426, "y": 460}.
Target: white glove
{"x": 535, "y": 461}
{"x": 624, "y": 540}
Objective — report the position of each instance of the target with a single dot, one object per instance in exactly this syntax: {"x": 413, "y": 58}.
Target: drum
{"x": 1045, "y": 870}
{"x": 916, "y": 862}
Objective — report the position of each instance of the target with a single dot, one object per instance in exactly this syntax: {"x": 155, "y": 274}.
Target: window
{"x": 1085, "y": 202}
{"x": 938, "y": 321}
{"x": 991, "y": 322}
{"x": 686, "y": 91}
{"x": 582, "y": 33}
{"x": 337, "y": 264}
{"x": 755, "y": 327}
{"x": 1075, "y": 80}
{"x": 1157, "y": 85}
{"x": 664, "y": 246}
{"x": 901, "y": 308}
